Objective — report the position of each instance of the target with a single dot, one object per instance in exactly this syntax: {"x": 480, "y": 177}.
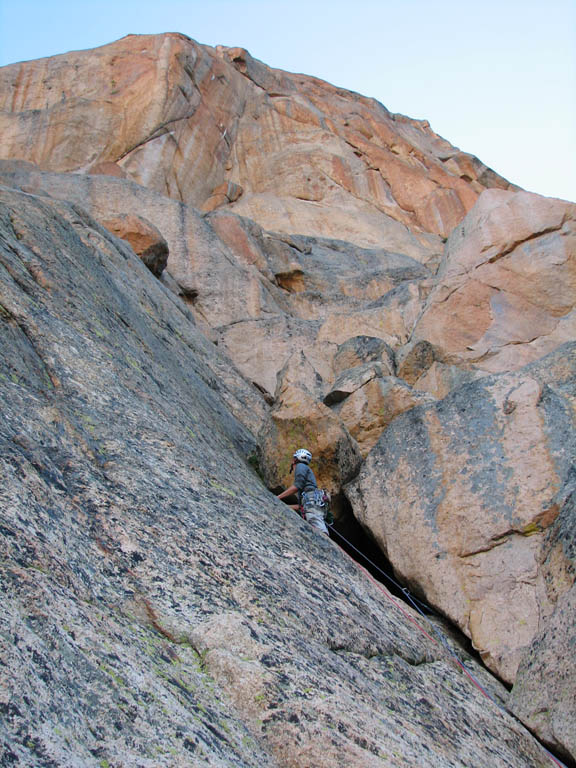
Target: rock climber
{"x": 309, "y": 497}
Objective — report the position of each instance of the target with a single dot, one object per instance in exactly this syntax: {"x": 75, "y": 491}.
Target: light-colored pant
{"x": 315, "y": 516}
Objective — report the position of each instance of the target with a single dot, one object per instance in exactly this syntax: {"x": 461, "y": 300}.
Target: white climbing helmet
{"x": 303, "y": 455}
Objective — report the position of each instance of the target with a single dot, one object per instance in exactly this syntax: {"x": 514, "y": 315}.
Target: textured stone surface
{"x": 299, "y": 418}
{"x": 440, "y": 379}
{"x": 325, "y": 285}
{"x": 223, "y": 195}
{"x": 159, "y": 606}
{"x": 263, "y": 296}
{"x": 371, "y": 408}
{"x": 267, "y": 297}
{"x": 350, "y": 380}
{"x": 364, "y": 349}
{"x": 199, "y": 125}
{"x": 145, "y": 239}
{"x": 543, "y": 693}
{"x": 414, "y": 360}
{"x": 196, "y": 253}
{"x": 460, "y": 495}
{"x": 506, "y": 288}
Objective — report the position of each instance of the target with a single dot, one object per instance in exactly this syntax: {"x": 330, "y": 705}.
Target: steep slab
{"x": 159, "y": 607}
{"x": 543, "y": 693}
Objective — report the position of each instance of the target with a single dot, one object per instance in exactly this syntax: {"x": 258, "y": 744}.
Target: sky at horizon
{"x": 496, "y": 79}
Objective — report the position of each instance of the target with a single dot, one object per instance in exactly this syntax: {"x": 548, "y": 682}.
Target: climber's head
{"x": 303, "y": 455}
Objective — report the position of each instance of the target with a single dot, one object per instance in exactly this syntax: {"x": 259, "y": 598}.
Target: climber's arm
{"x": 288, "y": 492}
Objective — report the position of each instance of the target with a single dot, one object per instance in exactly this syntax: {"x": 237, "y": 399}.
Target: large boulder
{"x": 543, "y": 693}
{"x": 351, "y": 380}
{"x": 506, "y": 289}
{"x": 413, "y": 360}
{"x": 366, "y": 396}
{"x": 460, "y": 495}
{"x": 373, "y": 406}
{"x": 364, "y": 349}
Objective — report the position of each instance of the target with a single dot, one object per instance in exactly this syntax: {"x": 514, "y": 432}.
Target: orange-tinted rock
{"x": 146, "y": 241}
{"x": 391, "y": 319}
{"x": 108, "y": 169}
{"x": 196, "y": 254}
{"x": 414, "y": 360}
{"x": 373, "y": 406}
{"x": 440, "y": 379}
{"x": 350, "y": 380}
{"x": 232, "y": 191}
{"x": 214, "y": 202}
{"x": 506, "y": 290}
{"x": 322, "y": 303}
{"x": 216, "y": 127}
{"x": 364, "y": 349}
{"x": 222, "y": 195}
{"x": 462, "y": 495}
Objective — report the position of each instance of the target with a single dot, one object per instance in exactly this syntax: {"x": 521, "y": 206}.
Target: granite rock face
{"x": 268, "y": 299}
{"x": 462, "y": 493}
{"x": 212, "y": 127}
{"x": 506, "y": 289}
{"x": 373, "y": 406}
{"x": 543, "y": 693}
{"x": 159, "y": 606}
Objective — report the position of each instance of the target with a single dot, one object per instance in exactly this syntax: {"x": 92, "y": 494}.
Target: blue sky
{"x": 497, "y": 79}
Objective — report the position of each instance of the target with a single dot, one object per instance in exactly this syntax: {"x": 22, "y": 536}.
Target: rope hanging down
{"x": 439, "y": 640}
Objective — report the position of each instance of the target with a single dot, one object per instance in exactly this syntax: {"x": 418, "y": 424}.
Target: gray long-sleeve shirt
{"x": 304, "y": 479}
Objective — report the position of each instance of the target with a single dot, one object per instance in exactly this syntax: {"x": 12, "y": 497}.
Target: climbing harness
{"x": 316, "y": 497}
{"x": 439, "y": 639}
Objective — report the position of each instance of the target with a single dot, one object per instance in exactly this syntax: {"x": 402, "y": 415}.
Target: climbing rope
{"x": 387, "y": 576}
{"x": 440, "y": 639}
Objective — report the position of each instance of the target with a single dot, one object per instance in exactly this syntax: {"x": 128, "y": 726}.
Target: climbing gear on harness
{"x": 318, "y": 498}
{"x": 303, "y": 455}
{"x": 315, "y": 497}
